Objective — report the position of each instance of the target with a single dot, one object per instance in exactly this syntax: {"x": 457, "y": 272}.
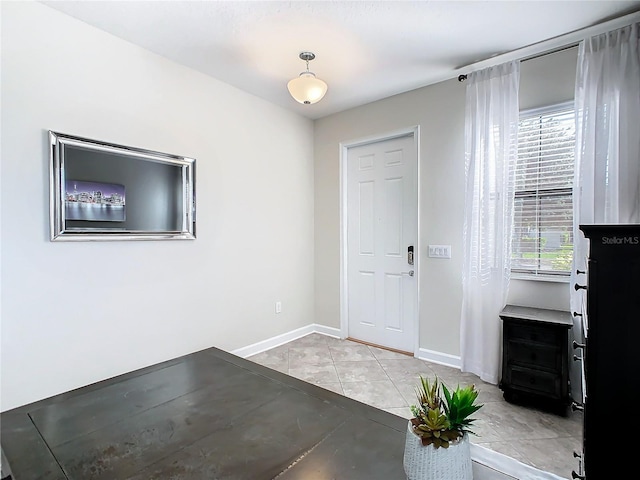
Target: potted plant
{"x": 437, "y": 444}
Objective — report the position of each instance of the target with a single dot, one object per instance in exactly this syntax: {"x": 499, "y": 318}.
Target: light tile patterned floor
{"x": 387, "y": 381}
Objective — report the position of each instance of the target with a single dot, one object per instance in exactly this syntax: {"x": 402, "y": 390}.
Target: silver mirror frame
{"x": 60, "y": 231}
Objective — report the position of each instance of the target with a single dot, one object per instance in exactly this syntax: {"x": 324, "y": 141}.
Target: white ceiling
{"x": 365, "y": 50}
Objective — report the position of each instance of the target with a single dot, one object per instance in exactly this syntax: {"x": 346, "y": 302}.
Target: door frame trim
{"x": 344, "y": 147}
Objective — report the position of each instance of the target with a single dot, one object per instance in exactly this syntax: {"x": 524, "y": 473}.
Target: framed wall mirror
{"x": 103, "y": 191}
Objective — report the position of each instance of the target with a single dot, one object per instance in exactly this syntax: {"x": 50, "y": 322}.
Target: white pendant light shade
{"x": 306, "y": 88}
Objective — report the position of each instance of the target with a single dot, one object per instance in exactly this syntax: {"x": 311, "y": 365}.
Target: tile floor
{"x": 386, "y": 380}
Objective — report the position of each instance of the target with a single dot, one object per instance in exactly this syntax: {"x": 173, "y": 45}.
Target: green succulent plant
{"x": 439, "y": 421}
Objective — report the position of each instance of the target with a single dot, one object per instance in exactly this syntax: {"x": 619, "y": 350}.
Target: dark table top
{"x": 208, "y": 415}
{"x": 540, "y": 315}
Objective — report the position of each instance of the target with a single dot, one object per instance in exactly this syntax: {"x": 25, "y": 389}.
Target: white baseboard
{"x": 269, "y": 343}
{"x": 504, "y": 467}
{"x": 328, "y": 331}
{"x": 439, "y": 357}
{"x": 278, "y": 340}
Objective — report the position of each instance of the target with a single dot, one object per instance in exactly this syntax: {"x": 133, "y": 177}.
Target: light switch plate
{"x": 440, "y": 251}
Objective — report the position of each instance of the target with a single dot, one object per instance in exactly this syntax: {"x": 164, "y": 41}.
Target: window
{"x": 542, "y": 241}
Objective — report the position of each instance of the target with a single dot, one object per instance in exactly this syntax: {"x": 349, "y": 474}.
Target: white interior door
{"x": 382, "y": 226}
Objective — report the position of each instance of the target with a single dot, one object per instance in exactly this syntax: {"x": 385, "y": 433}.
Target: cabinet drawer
{"x": 532, "y": 333}
{"x": 542, "y": 356}
{"x": 535, "y": 381}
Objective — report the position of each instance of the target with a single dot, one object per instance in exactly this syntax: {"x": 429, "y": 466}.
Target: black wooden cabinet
{"x": 611, "y": 324}
{"x": 535, "y": 358}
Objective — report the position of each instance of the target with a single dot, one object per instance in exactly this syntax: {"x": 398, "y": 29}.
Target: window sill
{"x": 541, "y": 278}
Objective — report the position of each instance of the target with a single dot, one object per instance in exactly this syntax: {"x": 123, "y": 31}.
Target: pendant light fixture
{"x": 307, "y": 88}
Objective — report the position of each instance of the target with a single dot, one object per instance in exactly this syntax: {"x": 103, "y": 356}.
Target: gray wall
{"x": 74, "y": 313}
{"x": 268, "y": 210}
{"x": 439, "y": 111}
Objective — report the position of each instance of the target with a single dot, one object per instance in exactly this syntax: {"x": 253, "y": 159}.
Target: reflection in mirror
{"x": 103, "y": 191}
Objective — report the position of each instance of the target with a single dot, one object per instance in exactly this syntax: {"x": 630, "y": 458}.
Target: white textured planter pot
{"x": 430, "y": 463}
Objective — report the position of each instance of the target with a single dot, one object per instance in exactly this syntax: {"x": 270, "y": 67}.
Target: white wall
{"x": 62, "y": 325}
{"x": 439, "y": 110}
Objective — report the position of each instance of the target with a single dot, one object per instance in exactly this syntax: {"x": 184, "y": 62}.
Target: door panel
{"x": 366, "y": 212}
{"x": 393, "y": 217}
{"x": 393, "y": 301}
{"x": 381, "y": 225}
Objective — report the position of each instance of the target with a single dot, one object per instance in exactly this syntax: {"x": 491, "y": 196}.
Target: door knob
{"x": 410, "y": 273}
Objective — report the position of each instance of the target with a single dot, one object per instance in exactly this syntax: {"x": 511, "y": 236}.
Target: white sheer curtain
{"x": 491, "y": 130}
{"x": 607, "y": 161}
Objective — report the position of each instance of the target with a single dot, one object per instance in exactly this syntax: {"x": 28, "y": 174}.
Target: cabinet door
{"x": 613, "y": 310}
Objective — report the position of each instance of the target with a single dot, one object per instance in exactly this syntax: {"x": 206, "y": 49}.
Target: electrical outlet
{"x": 278, "y": 307}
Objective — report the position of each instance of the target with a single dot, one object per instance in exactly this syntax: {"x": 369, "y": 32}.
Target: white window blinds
{"x": 543, "y": 210}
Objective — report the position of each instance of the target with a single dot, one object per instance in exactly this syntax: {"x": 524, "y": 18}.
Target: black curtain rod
{"x": 462, "y": 78}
